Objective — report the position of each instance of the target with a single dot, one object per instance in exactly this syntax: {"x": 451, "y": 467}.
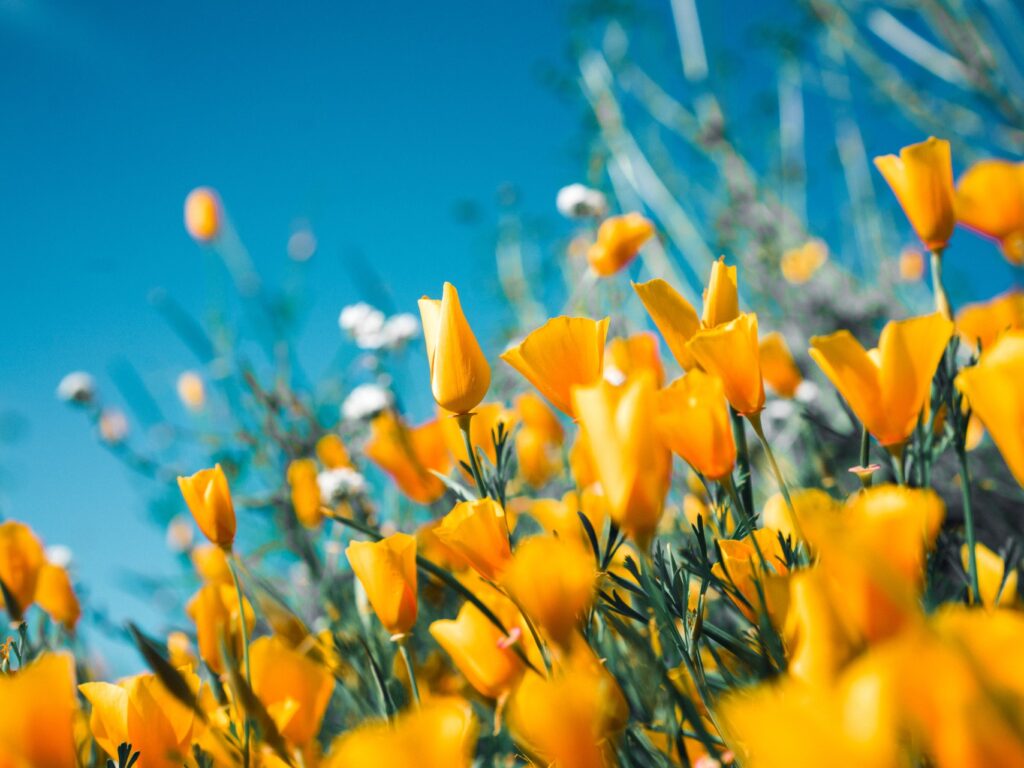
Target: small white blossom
{"x": 364, "y": 401}
{"x": 340, "y": 484}
{"x": 361, "y": 319}
{"x": 59, "y": 555}
{"x": 577, "y": 201}
{"x": 401, "y": 329}
{"x": 806, "y": 392}
{"x": 779, "y": 410}
{"x": 77, "y": 387}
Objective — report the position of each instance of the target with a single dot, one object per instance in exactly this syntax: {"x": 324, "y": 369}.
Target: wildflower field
{"x": 654, "y": 521}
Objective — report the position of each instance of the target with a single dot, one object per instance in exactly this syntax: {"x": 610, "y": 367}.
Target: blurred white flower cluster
{"x": 77, "y": 387}
{"x": 577, "y": 201}
{"x": 371, "y": 329}
{"x": 365, "y": 401}
{"x": 340, "y": 484}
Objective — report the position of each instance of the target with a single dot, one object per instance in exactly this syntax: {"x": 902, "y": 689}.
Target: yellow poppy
{"x": 983, "y": 322}
{"x": 922, "y": 180}
{"x": 209, "y": 500}
{"x": 408, "y": 454}
{"x": 998, "y": 588}
{"x": 215, "y": 611}
{"x": 387, "y": 571}
{"x": 478, "y": 530}
{"x": 730, "y": 352}
{"x": 294, "y": 688}
{"x": 56, "y": 596}
{"x": 331, "y": 452}
{"x": 694, "y": 423}
{"x": 619, "y": 240}
{"x": 21, "y": 558}
{"x": 39, "y": 707}
{"x": 627, "y": 356}
{"x": 305, "y": 492}
{"x": 203, "y": 214}
{"x": 778, "y": 368}
{"x": 459, "y": 373}
{"x": 990, "y": 200}
{"x": 799, "y": 265}
{"x": 721, "y": 297}
{"x": 674, "y": 317}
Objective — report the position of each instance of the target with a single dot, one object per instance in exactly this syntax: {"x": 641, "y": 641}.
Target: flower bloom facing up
{"x": 563, "y": 353}
{"x": 995, "y": 392}
{"x": 982, "y": 323}
{"x": 478, "y": 530}
{"x": 619, "y": 240}
{"x": 538, "y": 441}
{"x": 633, "y": 467}
{"x": 209, "y": 500}
{"x": 694, "y": 423}
{"x": 921, "y": 177}
{"x": 408, "y": 454}
{"x": 140, "y": 711}
{"x": 990, "y": 200}
{"x": 203, "y": 214}
{"x": 887, "y": 387}
{"x": 778, "y": 368}
{"x": 997, "y": 586}
{"x": 56, "y": 595}
{"x": 731, "y": 353}
{"x": 387, "y": 571}
{"x": 21, "y": 559}
{"x": 459, "y": 373}
{"x": 38, "y": 702}
{"x": 630, "y": 355}
{"x": 215, "y": 611}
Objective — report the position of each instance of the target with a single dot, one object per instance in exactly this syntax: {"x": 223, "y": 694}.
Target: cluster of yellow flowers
{"x": 571, "y": 605}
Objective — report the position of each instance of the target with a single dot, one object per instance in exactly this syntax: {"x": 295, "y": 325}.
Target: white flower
{"x": 361, "y": 318}
{"x": 59, "y": 555}
{"x": 77, "y": 387}
{"x": 779, "y": 410}
{"x": 806, "y": 391}
{"x": 340, "y": 484}
{"x": 577, "y": 201}
{"x": 364, "y": 401}
{"x": 400, "y": 329}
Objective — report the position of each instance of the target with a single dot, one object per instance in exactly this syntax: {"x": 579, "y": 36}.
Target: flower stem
{"x": 743, "y": 455}
{"x": 965, "y": 491}
{"x": 941, "y": 299}
{"x": 245, "y": 649}
{"x": 755, "y": 422}
{"x": 403, "y": 647}
{"x": 474, "y": 464}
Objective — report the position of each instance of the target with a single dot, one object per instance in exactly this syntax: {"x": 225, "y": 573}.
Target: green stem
{"x": 755, "y": 422}
{"x": 897, "y": 452}
{"x": 965, "y": 491}
{"x": 743, "y": 456}
{"x": 245, "y": 650}
{"x": 403, "y": 648}
{"x": 474, "y": 464}
{"x": 730, "y": 489}
{"x": 941, "y": 299}
{"x": 529, "y": 625}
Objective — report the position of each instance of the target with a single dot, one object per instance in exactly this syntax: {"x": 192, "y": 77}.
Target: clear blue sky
{"x": 369, "y": 120}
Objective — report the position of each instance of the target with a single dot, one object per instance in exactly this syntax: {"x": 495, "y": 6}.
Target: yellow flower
{"x": 570, "y": 719}
{"x": 993, "y": 389}
{"x": 553, "y": 580}
{"x": 39, "y": 706}
{"x": 459, "y": 373}
{"x": 730, "y": 352}
{"x": 741, "y": 567}
{"x": 563, "y": 353}
{"x": 479, "y": 650}
{"x": 305, "y": 492}
{"x": 140, "y": 711}
{"x": 408, "y": 455}
{"x": 214, "y": 609}
{"x": 211, "y": 564}
{"x": 56, "y": 596}
{"x": 387, "y": 571}
{"x": 21, "y": 558}
{"x": 478, "y": 530}
{"x": 295, "y": 689}
{"x": 627, "y": 356}
{"x": 983, "y": 322}
{"x": 440, "y": 734}
{"x": 998, "y": 588}
{"x": 922, "y": 180}
{"x": 721, "y": 299}
{"x": 886, "y": 388}
{"x": 809, "y": 505}
{"x": 619, "y": 239}
{"x": 209, "y": 500}
{"x": 203, "y": 214}
{"x": 818, "y": 641}
{"x": 560, "y": 517}
{"x": 191, "y": 390}
{"x": 799, "y": 264}
{"x": 694, "y": 423}
{"x": 331, "y": 452}
{"x": 179, "y": 650}
{"x": 538, "y": 441}
{"x": 674, "y": 317}
{"x": 990, "y": 200}
{"x": 911, "y": 265}
{"x": 617, "y": 427}
{"x": 778, "y": 368}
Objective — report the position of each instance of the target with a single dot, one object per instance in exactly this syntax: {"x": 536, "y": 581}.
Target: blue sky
{"x": 371, "y": 121}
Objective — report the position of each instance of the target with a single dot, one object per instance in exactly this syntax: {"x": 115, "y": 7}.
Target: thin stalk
{"x": 403, "y": 647}
{"x": 743, "y": 456}
{"x": 865, "y": 457}
{"x": 755, "y": 422}
{"x": 896, "y": 452}
{"x": 534, "y": 633}
{"x": 965, "y": 491}
{"x": 938, "y": 289}
{"x": 464, "y": 420}
{"x": 245, "y": 651}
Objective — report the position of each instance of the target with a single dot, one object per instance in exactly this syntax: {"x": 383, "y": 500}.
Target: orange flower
{"x": 56, "y": 596}
{"x": 478, "y": 530}
{"x": 741, "y": 567}
{"x": 563, "y": 353}
{"x": 619, "y": 239}
{"x": 459, "y": 373}
{"x": 387, "y": 571}
{"x": 777, "y": 365}
{"x": 911, "y": 265}
{"x": 209, "y": 500}
{"x": 694, "y": 423}
{"x": 214, "y": 609}
{"x": 203, "y": 214}
{"x": 990, "y": 200}
{"x": 983, "y": 322}
{"x": 294, "y": 688}
{"x": 674, "y": 317}
{"x": 617, "y": 423}
{"x": 39, "y": 705}
{"x": 538, "y": 441}
{"x": 332, "y": 452}
{"x": 922, "y": 180}
{"x": 799, "y": 264}
{"x": 730, "y": 352}
{"x": 408, "y": 455}
{"x": 626, "y": 356}
{"x": 21, "y": 558}
{"x": 888, "y": 386}
{"x": 721, "y": 297}
{"x": 305, "y": 492}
